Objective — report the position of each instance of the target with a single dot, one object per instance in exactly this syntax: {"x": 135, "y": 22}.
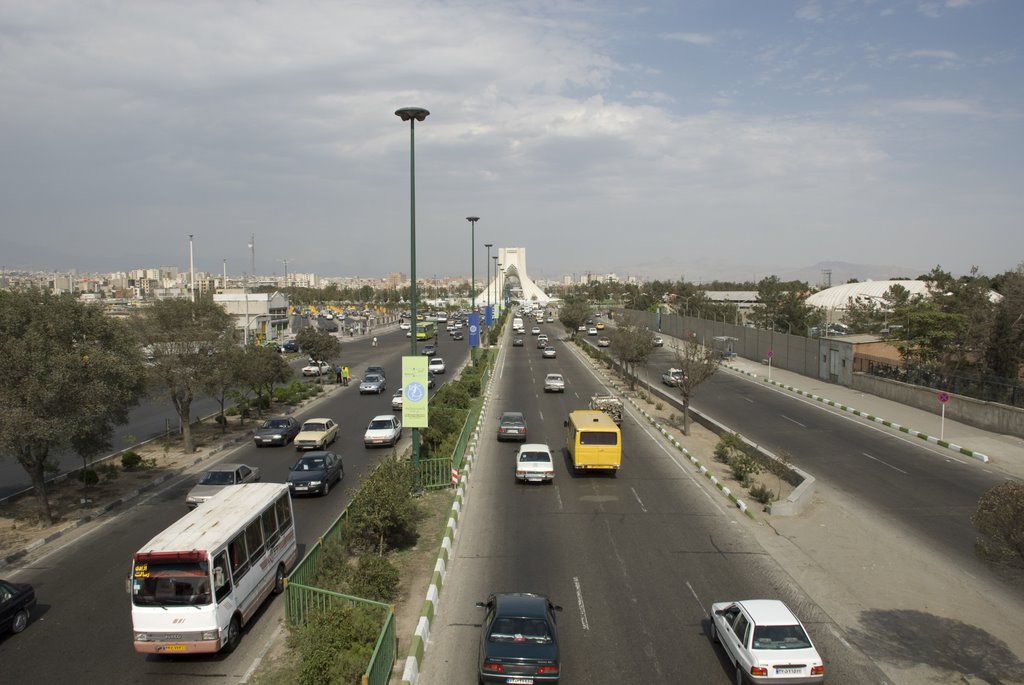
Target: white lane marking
{"x": 699, "y": 603}
{"x": 579, "y": 600}
{"x": 885, "y": 463}
{"x": 793, "y": 420}
{"x": 839, "y": 637}
{"x": 541, "y": 415}
{"x": 558, "y": 496}
{"x": 748, "y": 399}
{"x": 639, "y": 501}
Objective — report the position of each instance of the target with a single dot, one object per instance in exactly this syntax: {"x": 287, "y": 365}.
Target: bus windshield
{"x": 177, "y": 584}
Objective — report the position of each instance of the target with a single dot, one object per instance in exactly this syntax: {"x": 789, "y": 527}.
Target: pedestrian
{"x": 337, "y": 370}
{"x": 344, "y": 375}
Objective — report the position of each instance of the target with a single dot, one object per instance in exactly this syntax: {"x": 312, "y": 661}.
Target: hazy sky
{"x": 693, "y": 138}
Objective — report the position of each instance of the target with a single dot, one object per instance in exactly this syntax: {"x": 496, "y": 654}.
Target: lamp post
{"x": 495, "y": 258}
{"x": 487, "y": 265}
{"x": 499, "y": 293}
{"x": 472, "y": 274}
{"x": 412, "y": 115}
{"x": 191, "y": 270}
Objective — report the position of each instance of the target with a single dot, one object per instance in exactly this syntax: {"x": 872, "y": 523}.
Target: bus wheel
{"x": 279, "y": 581}
{"x": 234, "y": 636}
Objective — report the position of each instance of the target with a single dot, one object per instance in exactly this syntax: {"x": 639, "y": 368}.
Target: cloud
{"x": 691, "y": 38}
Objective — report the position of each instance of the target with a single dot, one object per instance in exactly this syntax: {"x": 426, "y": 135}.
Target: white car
{"x": 604, "y": 341}
{"x": 316, "y": 369}
{"x": 405, "y": 325}
{"x": 534, "y": 463}
{"x": 316, "y": 434}
{"x": 396, "y": 400}
{"x": 535, "y": 331}
{"x": 765, "y": 642}
{"x": 553, "y": 382}
{"x": 384, "y": 430}
{"x": 436, "y": 365}
{"x": 592, "y": 331}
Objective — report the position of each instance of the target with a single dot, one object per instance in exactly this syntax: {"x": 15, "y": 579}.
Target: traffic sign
{"x": 943, "y": 397}
{"x": 771, "y": 353}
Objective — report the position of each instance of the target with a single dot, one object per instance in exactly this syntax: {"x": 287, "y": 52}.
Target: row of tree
{"x": 71, "y": 374}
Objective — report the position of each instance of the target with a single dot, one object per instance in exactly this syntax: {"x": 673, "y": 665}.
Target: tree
{"x": 698, "y": 363}
{"x": 631, "y": 344}
{"x": 224, "y": 379}
{"x": 320, "y": 345}
{"x": 69, "y": 375}
{"x": 573, "y": 314}
{"x": 187, "y": 341}
{"x": 1004, "y": 350}
{"x": 999, "y": 519}
{"x": 382, "y": 514}
{"x": 259, "y": 369}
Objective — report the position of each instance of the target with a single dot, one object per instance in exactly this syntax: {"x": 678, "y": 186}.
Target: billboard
{"x": 414, "y": 392}
{"x": 474, "y": 329}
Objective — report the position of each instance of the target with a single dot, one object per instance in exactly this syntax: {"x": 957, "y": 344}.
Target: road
{"x": 634, "y": 561}
{"x": 81, "y": 632}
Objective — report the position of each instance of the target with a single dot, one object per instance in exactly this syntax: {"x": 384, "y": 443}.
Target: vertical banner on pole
{"x": 474, "y": 329}
{"x": 414, "y": 392}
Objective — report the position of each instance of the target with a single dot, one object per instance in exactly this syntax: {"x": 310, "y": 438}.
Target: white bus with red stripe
{"x": 196, "y": 584}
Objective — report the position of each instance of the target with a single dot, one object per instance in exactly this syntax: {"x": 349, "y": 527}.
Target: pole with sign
{"x": 943, "y": 398}
{"x": 771, "y": 353}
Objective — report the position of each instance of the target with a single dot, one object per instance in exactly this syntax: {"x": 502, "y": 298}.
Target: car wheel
{"x": 714, "y": 631}
{"x": 326, "y": 488}
{"x": 740, "y": 680}
{"x": 279, "y": 581}
{"x": 20, "y": 621}
{"x": 234, "y": 636}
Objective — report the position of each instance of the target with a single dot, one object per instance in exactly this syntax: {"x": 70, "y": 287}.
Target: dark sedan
{"x": 519, "y": 639}
{"x": 315, "y": 472}
{"x": 512, "y": 426}
{"x": 16, "y": 602}
{"x": 279, "y": 430}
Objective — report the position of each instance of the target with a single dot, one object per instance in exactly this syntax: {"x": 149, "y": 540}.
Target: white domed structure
{"x": 838, "y": 297}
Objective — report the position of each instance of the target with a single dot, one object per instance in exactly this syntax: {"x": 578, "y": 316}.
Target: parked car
{"x": 428, "y": 350}
{"x": 316, "y": 434}
{"x": 519, "y": 639}
{"x": 604, "y": 341}
{"x": 517, "y": 342}
{"x": 289, "y": 346}
{"x": 385, "y": 429}
{"x": 279, "y": 430}
{"x": 396, "y": 400}
{"x": 372, "y": 383}
{"x": 314, "y": 473}
{"x": 512, "y": 426}
{"x": 765, "y": 642}
{"x": 534, "y": 463}
{"x": 219, "y": 477}
{"x": 436, "y": 365}
{"x": 16, "y": 603}
{"x": 315, "y": 368}
{"x": 549, "y": 352}
{"x": 553, "y": 382}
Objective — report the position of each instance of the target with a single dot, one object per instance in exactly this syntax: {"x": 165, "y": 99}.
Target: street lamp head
{"x": 472, "y": 219}
{"x": 407, "y": 113}
{"x": 488, "y": 245}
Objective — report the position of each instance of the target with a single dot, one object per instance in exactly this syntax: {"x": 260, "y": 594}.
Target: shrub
{"x": 107, "y": 472}
{"x": 335, "y": 644}
{"x": 382, "y": 515}
{"x": 374, "y": 577}
{"x": 745, "y": 465}
{"x": 231, "y": 411}
{"x": 999, "y": 519}
{"x": 728, "y": 445}
{"x": 88, "y": 476}
{"x": 658, "y": 406}
{"x": 762, "y": 494}
{"x": 130, "y": 460}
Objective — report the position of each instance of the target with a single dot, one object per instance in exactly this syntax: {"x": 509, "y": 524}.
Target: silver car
{"x": 553, "y": 382}
{"x": 218, "y": 478}
{"x": 372, "y": 383}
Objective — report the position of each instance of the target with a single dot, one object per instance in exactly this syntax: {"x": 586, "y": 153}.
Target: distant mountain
{"x": 704, "y": 270}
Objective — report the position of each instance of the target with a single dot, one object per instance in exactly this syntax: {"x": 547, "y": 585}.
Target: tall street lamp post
{"x": 472, "y": 273}
{"x": 488, "y": 281}
{"x": 412, "y": 115}
{"x": 495, "y": 258}
{"x": 191, "y": 270}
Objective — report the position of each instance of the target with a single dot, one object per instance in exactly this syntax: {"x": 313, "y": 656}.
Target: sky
{"x": 692, "y": 139}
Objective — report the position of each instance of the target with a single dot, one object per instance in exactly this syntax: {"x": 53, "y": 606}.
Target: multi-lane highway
{"x": 81, "y": 630}
{"x": 634, "y": 561}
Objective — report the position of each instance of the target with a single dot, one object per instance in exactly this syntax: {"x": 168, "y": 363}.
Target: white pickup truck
{"x": 672, "y": 377}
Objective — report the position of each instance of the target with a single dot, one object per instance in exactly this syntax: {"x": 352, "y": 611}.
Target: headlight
{"x": 314, "y": 482}
{"x": 141, "y": 637}
{"x": 210, "y": 634}
{"x": 277, "y": 437}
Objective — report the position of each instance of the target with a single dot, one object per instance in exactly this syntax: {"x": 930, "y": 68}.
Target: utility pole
{"x": 252, "y": 251}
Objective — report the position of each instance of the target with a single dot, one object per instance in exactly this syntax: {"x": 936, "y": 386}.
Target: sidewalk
{"x": 1004, "y": 453}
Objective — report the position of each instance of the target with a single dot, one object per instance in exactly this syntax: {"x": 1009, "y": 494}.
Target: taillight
{"x": 547, "y": 670}
{"x": 493, "y": 667}
{"x": 818, "y": 670}
{"x": 758, "y": 671}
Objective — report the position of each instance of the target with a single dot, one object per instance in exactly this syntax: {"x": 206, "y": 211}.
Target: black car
{"x": 289, "y": 346}
{"x": 279, "y": 430}
{"x": 512, "y": 426}
{"x": 457, "y": 335}
{"x": 314, "y": 472}
{"x": 519, "y": 639}
{"x": 16, "y": 602}
{"x": 517, "y": 342}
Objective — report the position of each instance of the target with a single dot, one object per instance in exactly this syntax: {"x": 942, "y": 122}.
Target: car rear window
{"x": 314, "y": 427}
{"x": 535, "y": 456}
{"x": 598, "y": 438}
{"x": 520, "y": 630}
{"x": 780, "y": 637}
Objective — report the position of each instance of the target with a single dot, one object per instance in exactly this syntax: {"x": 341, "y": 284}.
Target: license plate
{"x": 519, "y": 681}
{"x": 301, "y": 487}
{"x": 176, "y": 648}
{"x": 788, "y": 671}
{"x": 377, "y": 441}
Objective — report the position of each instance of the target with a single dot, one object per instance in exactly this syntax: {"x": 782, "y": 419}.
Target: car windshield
{"x": 513, "y": 421}
{"x": 275, "y": 424}
{"x": 554, "y": 379}
{"x": 380, "y": 425}
{"x": 535, "y": 456}
{"x": 313, "y": 427}
{"x": 217, "y": 478}
{"x": 372, "y": 379}
{"x": 780, "y": 637}
{"x": 310, "y": 464}
{"x": 520, "y": 630}
{"x": 171, "y": 584}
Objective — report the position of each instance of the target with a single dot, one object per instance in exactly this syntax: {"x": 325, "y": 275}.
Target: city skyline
{"x": 713, "y": 139}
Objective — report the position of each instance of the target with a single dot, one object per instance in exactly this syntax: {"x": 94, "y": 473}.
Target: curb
{"x": 411, "y": 674}
{"x": 864, "y": 415}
